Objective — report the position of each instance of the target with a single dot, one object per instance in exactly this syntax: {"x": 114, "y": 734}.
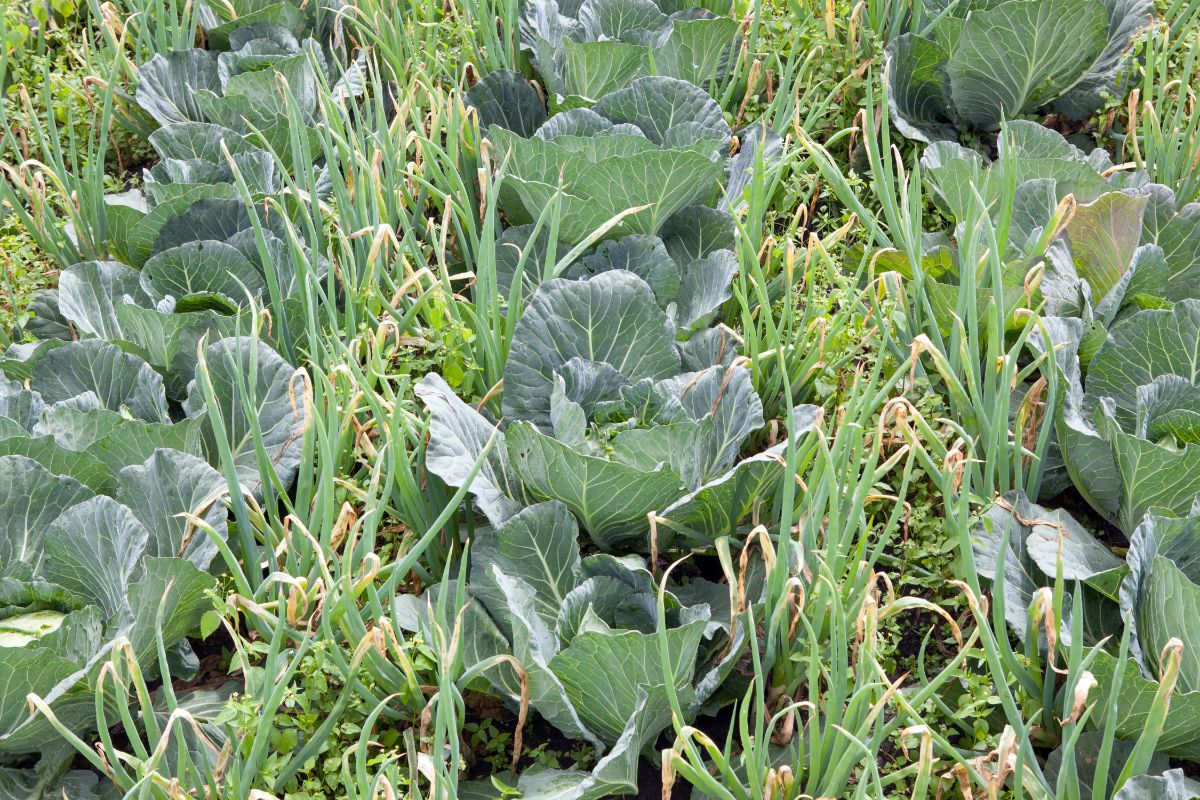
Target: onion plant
{"x": 56, "y": 185}
{"x": 976, "y": 348}
{"x": 1164, "y": 129}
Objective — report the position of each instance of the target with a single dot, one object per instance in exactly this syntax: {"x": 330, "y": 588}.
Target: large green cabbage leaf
{"x": 587, "y": 634}
{"x": 602, "y": 417}
{"x": 1128, "y": 431}
{"x": 1155, "y": 590}
{"x": 984, "y": 62}
{"x": 586, "y": 50}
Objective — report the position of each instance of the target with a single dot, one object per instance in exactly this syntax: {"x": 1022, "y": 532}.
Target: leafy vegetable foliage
{"x": 625, "y": 411}
{"x": 587, "y": 632}
{"x": 111, "y": 513}
{"x": 981, "y": 62}
{"x": 611, "y": 436}
{"x": 1105, "y": 242}
{"x": 1128, "y": 429}
{"x": 1153, "y": 590}
{"x": 629, "y": 164}
{"x": 586, "y": 50}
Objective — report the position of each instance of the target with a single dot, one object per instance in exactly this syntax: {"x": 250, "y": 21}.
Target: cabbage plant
{"x": 689, "y": 266}
{"x": 1105, "y": 242}
{"x": 200, "y": 153}
{"x": 587, "y": 631}
{"x": 190, "y": 253}
{"x": 98, "y": 468}
{"x": 603, "y": 416}
{"x": 89, "y": 409}
{"x": 202, "y": 247}
{"x": 981, "y": 62}
{"x": 1128, "y": 430}
{"x": 82, "y": 570}
{"x": 257, "y": 67}
{"x": 621, "y": 399}
{"x": 222, "y": 19}
{"x": 113, "y": 422}
{"x": 191, "y": 240}
{"x": 1154, "y": 591}
{"x": 656, "y": 145}
{"x": 585, "y": 50}
{"x": 632, "y": 161}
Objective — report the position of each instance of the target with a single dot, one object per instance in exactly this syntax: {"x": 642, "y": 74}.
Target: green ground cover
{"x": 670, "y": 398}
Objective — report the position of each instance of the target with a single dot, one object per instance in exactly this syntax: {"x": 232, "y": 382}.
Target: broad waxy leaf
{"x": 655, "y": 145}
{"x": 918, "y": 88}
{"x": 506, "y": 99}
{"x": 32, "y": 498}
{"x": 657, "y": 105}
{"x": 1163, "y": 570}
{"x": 257, "y": 98}
{"x": 611, "y": 319}
{"x": 168, "y": 83}
{"x": 83, "y": 467}
{"x": 1170, "y": 785}
{"x": 697, "y": 50}
{"x": 174, "y": 589}
{"x": 23, "y": 671}
{"x": 1117, "y": 468}
{"x": 90, "y": 293}
{"x": 1153, "y": 475}
{"x": 223, "y": 32}
{"x": 593, "y": 69}
{"x": 710, "y": 414}
{"x": 1037, "y": 538}
{"x": 689, "y": 289}
{"x": 168, "y": 484}
{"x": 457, "y": 437}
{"x": 1175, "y": 229}
{"x": 1181, "y": 730}
{"x": 113, "y": 440}
{"x": 615, "y": 773}
{"x": 590, "y": 49}
{"x": 116, "y": 379}
{"x": 630, "y": 174}
{"x": 1022, "y": 54}
{"x": 534, "y": 645}
{"x": 27, "y": 784}
{"x": 617, "y": 19}
{"x": 99, "y": 565}
{"x": 1103, "y": 236}
{"x": 197, "y": 141}
{"x": 607, "y": 699}
{"x": 1150, "y": 344}
{"x": 598, "y": 596}
{"x": 1106, "y": 77}
{"x": 989, "y": 61}
{"x": 261, "y": 398}
{"x": 537, "y": 545}
{"x": 719, "y": 506}
{"x": 199, "y": 267}
{"x": 23, "y": 406}
{"x": 168, "y": 342}
{"x": 1026, "y": 152}
{"x": 92, "y": 555}
{"x": 610, "y": 499}
{"x": 644, "y": 256}
{"x": 198, "y": 212}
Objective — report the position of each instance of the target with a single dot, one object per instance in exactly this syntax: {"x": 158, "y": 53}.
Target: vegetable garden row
{"x": 514, "y": 398}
